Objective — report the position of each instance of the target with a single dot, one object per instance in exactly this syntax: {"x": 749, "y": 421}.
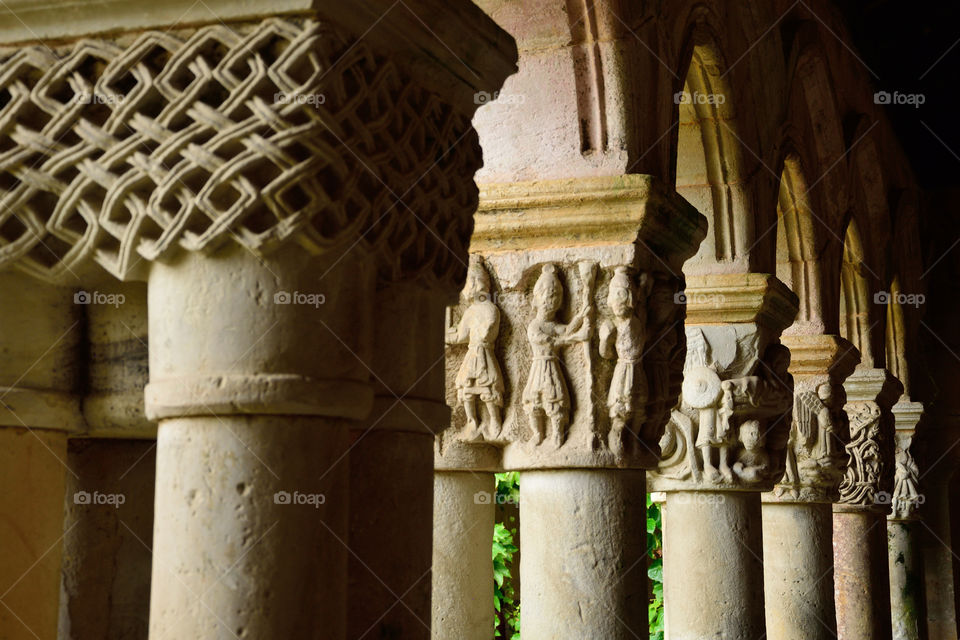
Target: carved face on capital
{"x": 477, "y": 287}
{"x": 547, "y": 294}
{"x": 750, "y": 435}
{"x": 620, "y": 301}
{"x": 826, "y": 395}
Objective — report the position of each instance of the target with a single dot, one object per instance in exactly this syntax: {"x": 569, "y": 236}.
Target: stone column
{"x": 40, "y": 333}
{"x": 723, "y": 446}
{"x": 241, "y": 377}
{"x": 264, "y": 178}
{"x": 463, "y": 515}
{"x": 390, "y": 547}
{"x": 937, "y": 550}
{"x": 797, "y": 514}
{"x": 861, "y": 572}
{"x": 907, "y": 598}
{"x": 106, "y": 566}
{"x": 562, "y": 360}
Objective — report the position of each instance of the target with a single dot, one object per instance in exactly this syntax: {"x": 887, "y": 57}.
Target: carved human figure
{"x": 714, "y": 433}
{"x": 861, "y": 478}
{"x": 753, "y": 462}
{"x": 622, "y": 339}
{"x": 545, "y": 396}
{"x": 906, "y": 494}
{"x": 479, "y": 378}
{"x": 812, "y": 433}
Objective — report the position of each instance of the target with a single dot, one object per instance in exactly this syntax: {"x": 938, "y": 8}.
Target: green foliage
{"x": 505, "y": 599}
{"x": 655, "y": 568}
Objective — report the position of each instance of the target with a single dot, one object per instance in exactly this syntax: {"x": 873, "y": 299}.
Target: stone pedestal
{"x": 797, "y": 516}
{"x": 861, "y": 575}
{"x": 724, "y": 444}
{"x": 463, "y": 512}
{"x": 40, "y": 331}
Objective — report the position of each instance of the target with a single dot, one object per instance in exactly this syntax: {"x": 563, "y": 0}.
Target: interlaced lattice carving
{"x": 275, "y": 131}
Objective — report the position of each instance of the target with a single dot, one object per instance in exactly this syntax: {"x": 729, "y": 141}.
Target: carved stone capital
{"x": 568, "y": 354}
{"x": 868, "y": 480}
{"x": 128, "y": 150}
{"x": 815, "y": 456}
{"x": 731, "y": 426}
{"x": 907, "y": 497}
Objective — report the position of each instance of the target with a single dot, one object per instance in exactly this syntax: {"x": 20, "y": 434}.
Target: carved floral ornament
{"x": 575, "y": 364}
{"x": 863, "y": 480}
{"x": 121, "y": 152}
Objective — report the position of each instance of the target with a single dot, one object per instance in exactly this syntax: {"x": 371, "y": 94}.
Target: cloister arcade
{"x": 284, "y": 283}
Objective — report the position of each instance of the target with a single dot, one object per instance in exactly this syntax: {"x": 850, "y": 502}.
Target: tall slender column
{"x": 907, "y": 598}
{"x": 936, "y": 548}
{"x": 861, "y": 572}
{"x": 390, "y": 547}
{"x": 797, "y": 516}
{"x": 723, "y": 446}
{"x": 549, "y": 373}
{"x": 106, "y": 566}
{"x": 463, "y": 515}
{"x": 40, "y": 331}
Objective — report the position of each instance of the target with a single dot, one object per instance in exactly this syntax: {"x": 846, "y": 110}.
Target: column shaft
{"x": 938, "y": 563}
{"x": 462, "y": 568}
{"x": 230, "y": 557}
{"x": 906, "y": 580}
{"x": 861, "y": 575}
{"x": 713, "y": 566}
{"x": 583, "y": 564}
{"x": 798, "y": 571}
{"x": 391, "y": 478}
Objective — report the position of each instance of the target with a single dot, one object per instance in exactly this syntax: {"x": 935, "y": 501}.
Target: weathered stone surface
{"x": 108, "y": 539}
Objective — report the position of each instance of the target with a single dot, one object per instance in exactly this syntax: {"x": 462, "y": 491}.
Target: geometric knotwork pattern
{"x": 122, "y": 153}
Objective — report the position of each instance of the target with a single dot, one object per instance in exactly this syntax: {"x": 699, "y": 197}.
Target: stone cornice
{"x": 812, "y": 355}
{"x": 907, "y": 414}
{"x": 740, "y": 298}
{"x": 455, "y": 50}
{"x": 873, "y": 385}
{"x": 587, "y": 212}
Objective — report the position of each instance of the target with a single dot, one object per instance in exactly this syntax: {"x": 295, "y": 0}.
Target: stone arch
{"x": 861, "y": 318}
{"x": 709, "y": 171}
{"x": 813, "y": 108}
{"x": 798, "y": 249}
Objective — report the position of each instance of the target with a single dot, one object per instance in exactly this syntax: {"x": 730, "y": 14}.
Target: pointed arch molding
{"x": 124, "y": 151}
